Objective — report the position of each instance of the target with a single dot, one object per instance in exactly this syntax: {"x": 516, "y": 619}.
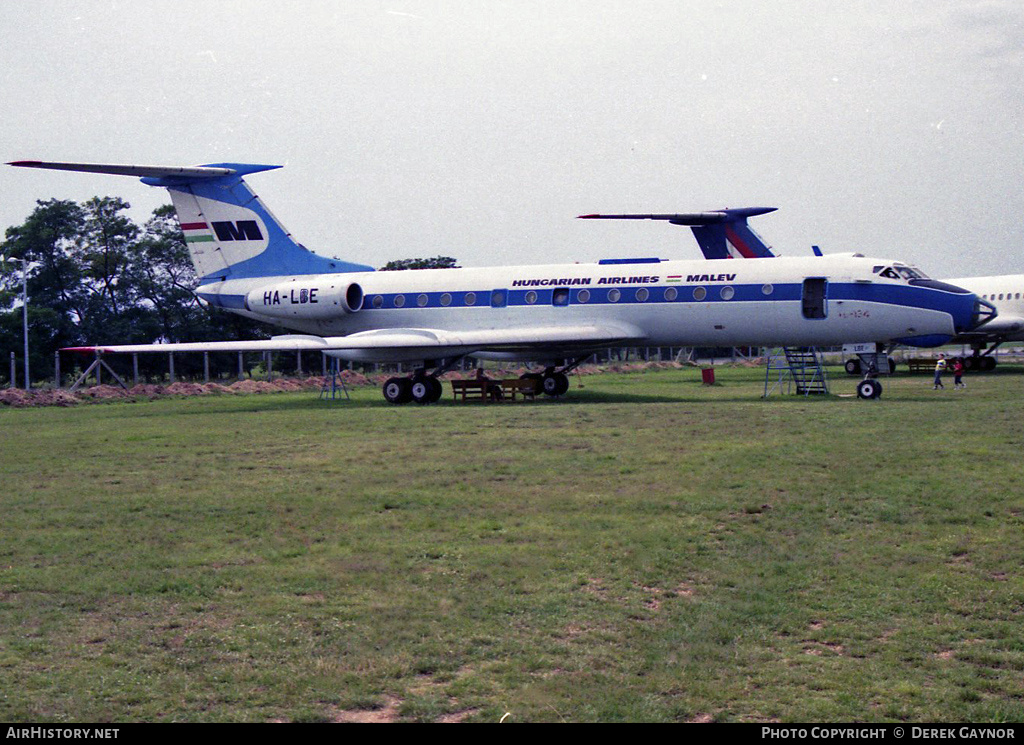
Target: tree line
{"x": 96, "y": 277}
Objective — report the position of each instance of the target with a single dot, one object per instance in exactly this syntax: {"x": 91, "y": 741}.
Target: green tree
{"x": 438, "y": 262}
{"x": 96, "y": 277}
{"x": 48, "y": 239}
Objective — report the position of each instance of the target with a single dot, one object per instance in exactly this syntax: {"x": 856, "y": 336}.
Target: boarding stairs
{"x": 798, "y": 368}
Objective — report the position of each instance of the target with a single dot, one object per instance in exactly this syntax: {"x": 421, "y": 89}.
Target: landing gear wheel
{"x": 420, "y": 390}
{"x": 426, "y": 390}
{"x": 537, "y": 378}
{"x": 555, "y": 384}
{"x": 892, "y": 366}
{"x": 988, "y": 364}
{"x": 869, "y": 389}
{"x": 852, "y": 367}
{"x": 398, "y": 390}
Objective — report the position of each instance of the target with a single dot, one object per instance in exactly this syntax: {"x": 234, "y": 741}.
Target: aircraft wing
{"x": 426, "y": 341}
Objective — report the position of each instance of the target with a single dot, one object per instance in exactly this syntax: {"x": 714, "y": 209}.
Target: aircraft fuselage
{"x": 796, "y": 302}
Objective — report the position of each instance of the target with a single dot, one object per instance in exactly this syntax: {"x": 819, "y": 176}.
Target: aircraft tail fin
{"x": 721, "y": 234}
{"x": 229, "y": 231}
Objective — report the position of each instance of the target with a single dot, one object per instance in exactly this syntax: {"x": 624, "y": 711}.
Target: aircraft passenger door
{"x": 815, "y": 295}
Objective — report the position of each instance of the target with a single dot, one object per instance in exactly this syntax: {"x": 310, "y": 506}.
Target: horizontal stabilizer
{"x": 184, "y": 172}
{"x": 722, "y": 234}
{"x": 692, "y": 218}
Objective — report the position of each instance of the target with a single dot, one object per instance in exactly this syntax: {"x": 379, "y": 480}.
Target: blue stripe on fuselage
{"x": 958, "y": 305}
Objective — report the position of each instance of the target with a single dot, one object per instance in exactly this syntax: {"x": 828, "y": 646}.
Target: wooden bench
{"x": 490, "y": 391}
{"x": 921, "y": 364}
{"x": 470, "y": 390}
{"x": 525, "y": 387}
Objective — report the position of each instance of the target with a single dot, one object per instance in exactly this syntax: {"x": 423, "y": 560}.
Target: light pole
{"x": 24, "y": 311}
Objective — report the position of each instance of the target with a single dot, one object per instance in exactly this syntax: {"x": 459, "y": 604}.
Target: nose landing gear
{"x": 869, "y": 388}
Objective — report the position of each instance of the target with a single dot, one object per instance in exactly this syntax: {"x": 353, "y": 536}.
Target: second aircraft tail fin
{"x": 721, "y": 234}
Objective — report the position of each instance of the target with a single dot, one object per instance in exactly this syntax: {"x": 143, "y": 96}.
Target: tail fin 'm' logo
{"x": 243, "y": 230}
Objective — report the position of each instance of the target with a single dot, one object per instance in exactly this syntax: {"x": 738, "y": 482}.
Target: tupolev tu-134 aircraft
{"x": 732, "y": 238}
{"x": 556, "y": 315}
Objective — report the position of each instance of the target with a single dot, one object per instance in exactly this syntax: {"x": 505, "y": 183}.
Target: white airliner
{"x": 556, "y": 315}
{"x": 1006, "y": 294}
{"x": 729, "y": 237}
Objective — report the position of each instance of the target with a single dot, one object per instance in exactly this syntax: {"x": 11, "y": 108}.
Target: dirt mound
{"x": 103, "y": 392}
{"x": 288, "y": 384}
{"x": 253, "y": 386}
{"x": 148, "y": 390}
{"x": 15, "y": 397}
{"x": 186, "y": 389}
{"x": 45, "y": 397}
{"x": 54, "y": 398}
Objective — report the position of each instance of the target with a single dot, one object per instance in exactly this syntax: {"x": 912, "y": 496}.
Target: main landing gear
{"x": 981, "y": 361}
{"x": 550, "y": 382}
{"x": 425, "y": 388}
{"x": 421, "y": 388}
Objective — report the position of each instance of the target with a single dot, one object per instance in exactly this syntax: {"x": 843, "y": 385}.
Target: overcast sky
{"x": 481, "y": 129}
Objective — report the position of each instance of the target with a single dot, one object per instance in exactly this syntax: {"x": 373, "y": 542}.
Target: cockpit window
{"x": 910, "y": 272}
{"x": 900, "y": 271}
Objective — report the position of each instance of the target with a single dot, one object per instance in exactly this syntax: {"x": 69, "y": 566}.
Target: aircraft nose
{"x": 967, "y": 310}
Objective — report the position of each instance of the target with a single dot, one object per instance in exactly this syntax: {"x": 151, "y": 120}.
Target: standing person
{"x": 940, "y": 367}
{"x": 958, "y": 373}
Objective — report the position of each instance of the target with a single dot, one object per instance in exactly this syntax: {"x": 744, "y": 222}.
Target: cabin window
{"x": 399, "y": 301}
{"x": 727, "y": 293}
{"x": 378, "y": 301}
{"x": 446, "y": 299}
{"x": 421, "y": 300}
{"x": 814, "y": 297}
{"x": 470, "y": 298}
{"x": 642, "y": 294}
{"x": 614, "y": 295}
{"x": 767, "y": 289}
{"x": 498, "y": 299}
{"x": 560, "y": 296}
{"x": 531, "y": 297}
{"x": 583, "y": 296}
{"x": 699, "y": 293}
{"x": 671, "y": 293}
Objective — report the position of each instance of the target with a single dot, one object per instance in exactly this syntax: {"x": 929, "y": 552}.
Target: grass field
{"x": 648, "y": 549}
